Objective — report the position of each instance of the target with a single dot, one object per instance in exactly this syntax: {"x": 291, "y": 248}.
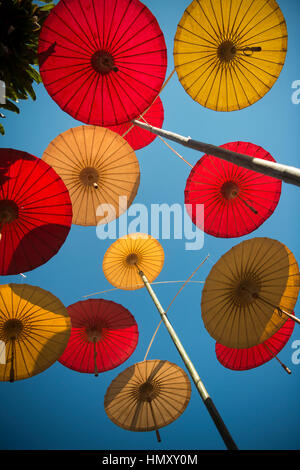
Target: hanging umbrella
{"x": 129, "y": 254}
{"x": 250, "y": 292}
{"x": 148, "y": 396}
{"x": 229, "y": 54}
{"x": 102, "y": 62}
{"x": 137, "y": 137}
{"x": 35, "y": 327}
{"x": 140, "y": 257}
{"x": 104, "y": 334}
{"x": 35, "y": 212}
{"x": 100, "y": 170}
{"x": 236, "y": 200}
{"x": 249, "y": 358}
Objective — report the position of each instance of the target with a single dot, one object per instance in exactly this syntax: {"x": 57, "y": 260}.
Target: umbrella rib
{"x": 109, "y": 45}
{"x": 255, "y": 26}
{"x": 208, "y": 20}
{"x": 89, "y": 42}
{"x": 216, "y": 20}
{"x": 82, "y": 47}
{"x": 117, "y": 46}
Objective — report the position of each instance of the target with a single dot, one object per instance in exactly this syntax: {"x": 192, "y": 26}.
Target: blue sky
{"x": 63, "y": 409}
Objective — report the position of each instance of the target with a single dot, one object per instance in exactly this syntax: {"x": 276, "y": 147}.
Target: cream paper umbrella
{"x": 100, "y": 170}
{"x": 148, "y": 396}
{"x": 250, "y": 293}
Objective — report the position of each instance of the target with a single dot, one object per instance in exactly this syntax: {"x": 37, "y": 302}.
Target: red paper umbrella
{"x": 35, "y": 212}
{"x": 103, "y": 62}
{"x": 137, "y": 137}
{"x": 236, "y": 200}
{"x": 104, "y": 334}
{"x": 248, "y": 358}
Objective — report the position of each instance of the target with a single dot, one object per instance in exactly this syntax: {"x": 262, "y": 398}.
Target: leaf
{"x": 34, "y": 74}
{"x": 47, "y": 7}
{"x": 10, "y": 106}
{"x": 31, "y": 92}
{"x": 2, "y": 131}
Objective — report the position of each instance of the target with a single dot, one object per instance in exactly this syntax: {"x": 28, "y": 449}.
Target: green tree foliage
{"x": 20, "y": 24}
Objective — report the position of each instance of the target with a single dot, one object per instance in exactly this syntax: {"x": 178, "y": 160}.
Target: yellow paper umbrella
{"x": 250, "y": 293}
{"x": 147, "y": 396}
{"x": 129, "y": 254}
{"x": 228, "y": 54}
{"x": 35, "y": 328}
{"x": 100, "y": 170}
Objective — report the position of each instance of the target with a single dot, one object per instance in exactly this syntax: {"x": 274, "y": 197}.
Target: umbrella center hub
{"x": 89, "y": 177}
{"x": 147, "y": 391}
{"x": 12, "y": 329}
{"x": 8, "y": 211}
{"x": 132, "y": 259}
{"x": 226, "y": 51}
{"x": 229, "y": 190}
{"x": 248, "y": 290}
{"x": 103, "y": 62}
{"x": 93, "y": 334}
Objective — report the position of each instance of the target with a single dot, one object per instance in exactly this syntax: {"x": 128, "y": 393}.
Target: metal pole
{"x": 229, "y": 442}
{"x": 286, "y": 173}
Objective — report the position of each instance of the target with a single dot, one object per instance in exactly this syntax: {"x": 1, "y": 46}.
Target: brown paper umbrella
{"x": 250, "y": 293}
{"x": 100, "y": 170}
{"x": 148, "y": 396}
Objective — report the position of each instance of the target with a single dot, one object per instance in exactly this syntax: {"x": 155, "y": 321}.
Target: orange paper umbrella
{"x": 104, "y": 335}
{"x": 137, "y": 137}
{"x": 129, "y": 254}
{"x": 35, "y": 327}
{"x": 148, "y": 396}
{"x": 250, "y": 292}
{"x": 100, "y": 170}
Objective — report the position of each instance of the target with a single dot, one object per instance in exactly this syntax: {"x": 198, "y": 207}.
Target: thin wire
{"x": 136, "y": 285}
{"x": 164, "y": 85}
{"x": 188, "y": 280}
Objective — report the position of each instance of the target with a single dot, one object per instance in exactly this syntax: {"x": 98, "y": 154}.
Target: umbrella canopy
{"x": 147, "y": 396}
{"x": 35, "y": 212}
{"x": 228, "y": 54}
{"x": 246, "y": 291}
{"x": 35, "y": 327}
{"x": 249, "y": 358}
{"x": 104, "y": 335}
{"x": 130, "y": 254}
{"x": 100, "y": 170}
{"x": 236, "y": 200}
{"x": 137, "y": 137}
{"x": 102, "y": 62}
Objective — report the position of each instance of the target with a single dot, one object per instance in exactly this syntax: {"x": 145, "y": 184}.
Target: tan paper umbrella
{"x": 148, "y": 396}
{"x": 100, "y": 170}
{"x": 250, "y": 293}
{"x": 130, "y": 254}
{"x": 229, "y": 53}
{"x": 35, "y": 327}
